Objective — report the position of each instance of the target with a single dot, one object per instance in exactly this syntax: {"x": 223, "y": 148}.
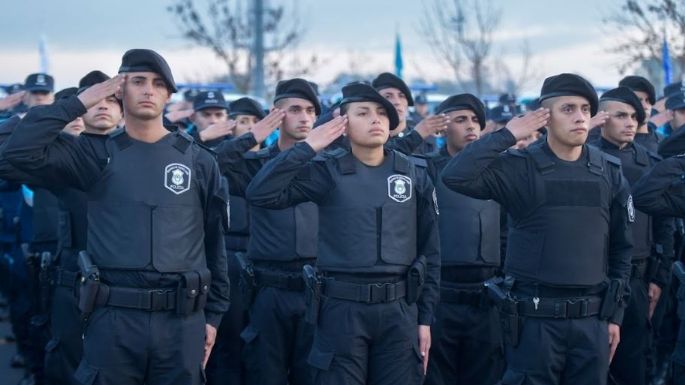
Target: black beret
{"x": 638, "y": 83}
{"x": 39, "y": 82}
{"x": 147, "y": 60}
{"x": 569, "y": 85}
{"x": 387, "y": 80}
{"x": 246, "y": 106}
{"x": 674, "y": 88}
{"x": 362, "y": 92}
{"x": 91, "y": 78}
{"x": 501, "y": 114}
{"x": 676, "y": 101}
{"x": 209, "y": 99}
{"x": 463, "y": 102}
{"x": 627, "y": 96}
{"x": 297, "y": 88}
{"x": 65, "y": 93}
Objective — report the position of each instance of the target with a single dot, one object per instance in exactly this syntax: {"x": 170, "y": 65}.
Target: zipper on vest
{"x": 379, "y": 227}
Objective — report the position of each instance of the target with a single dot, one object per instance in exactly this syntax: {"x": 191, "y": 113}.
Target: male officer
{"x": 39, "y": 89}
{"x": 467, "y": 346}
{"x": 569, "y": 234}
{"x": 675, "y": 108}
{"x": 422, "y": 136}
{"x": 644, "y": 90}
{"x": 378, "y": 244}
{"x": 281, "y": 242}
{"x": 146, "y": 285}
{"x": 652, "y": 236}
{"x": 209, "y": 109}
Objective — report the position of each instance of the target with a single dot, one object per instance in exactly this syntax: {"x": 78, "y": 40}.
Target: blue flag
{"x": 666, "y": 62}
{"x": 399, "y": 64}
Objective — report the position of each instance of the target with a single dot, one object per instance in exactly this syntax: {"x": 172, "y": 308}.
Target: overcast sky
{"x": 83, "y": 35}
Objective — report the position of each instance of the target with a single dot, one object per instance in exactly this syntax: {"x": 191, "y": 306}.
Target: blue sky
{"x": 565, "y": 36}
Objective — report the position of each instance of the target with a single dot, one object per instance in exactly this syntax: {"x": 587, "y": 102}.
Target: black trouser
{"x": 357, "y": 343}
{"x": 135, "y": 347}
{"x": 64, "y": 351}
{"x": 559, "y": 352}
{"x": 466, "y": 345}
{"x": 277, "y": 339}
{"x": 629, "y": 366}
{"x": 225, "y": 366}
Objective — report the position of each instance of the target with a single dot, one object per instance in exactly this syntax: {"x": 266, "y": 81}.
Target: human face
{"x": 644, "y": 99}
{"x": 677, "y": 118}
{"x": 75, "y": 127}
{"x": 208, "y": 116}
{"x": 398, "y": 99}
{"x": 569, "y": 120}
{"x": 38, "y": 98}
{"x": 144, "y": 95}
{"x": 244, "y": 123}
{"x": 299, "y": 119}
{"x": 104, "y": 116}
{"x": 621, "y": 126}
{"x": 367, "y": 124}
{"x": 462, "y": 129}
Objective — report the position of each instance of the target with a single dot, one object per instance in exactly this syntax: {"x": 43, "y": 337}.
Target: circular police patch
{"x": 399, "y": 188}
{"x": 177, "y": 178}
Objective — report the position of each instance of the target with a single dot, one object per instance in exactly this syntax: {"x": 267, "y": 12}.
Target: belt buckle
{"x": 387, "y": 292}
{"x": 159, "y": 300}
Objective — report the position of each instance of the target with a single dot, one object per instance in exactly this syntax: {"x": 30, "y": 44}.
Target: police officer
{"x": 570, "y": 210}
{"x": 652, "y": 236}
{"x": 209, "y": 109}
{"x": 146, "y": 286}
{"x": 223, "y": 365}
{"x": 644, "y": 90}
{"x": 675, "y": 106}
{"x": 378, "y": 244}
{"x": 422, "y": 135}
{"x": 281, "y": 242}
{"x": 467, "y": 336}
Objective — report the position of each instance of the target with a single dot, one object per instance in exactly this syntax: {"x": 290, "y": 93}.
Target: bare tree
{"x": 640, "y": 27}
{"x": 514, "y": 81}
{"x": 225, "y": 27}
{"x": 460, "y": 33}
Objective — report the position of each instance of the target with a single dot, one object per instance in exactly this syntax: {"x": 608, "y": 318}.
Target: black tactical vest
{"x": 368, "y": 220}
{"x": 45, "y": 217}
{"x": 564, "y": 240}
{"x": 282, "y": 235}
{"x": 145, "y": 212}
{"x": 469, "y": 228}
{"x": 73, "y": 226}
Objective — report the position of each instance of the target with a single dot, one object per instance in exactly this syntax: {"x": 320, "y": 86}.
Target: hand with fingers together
{"x": 262, "y": 129}
{"x": 524, "y": 126}
{"x": 217, "y": 130}
{"x": 11, "y": 101}
{"x": 432, "y": 125}
{"x": 599, "y": 119}
{"x": 323, "y": 135}
{"x": 97, "y": 92}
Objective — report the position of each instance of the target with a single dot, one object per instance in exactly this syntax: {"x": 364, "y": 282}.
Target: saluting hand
{"x": 325, "y": 134}
{"x": 97, "y": 92}
{"x": 210, "y": 338}
{"x": 524, "y": 126}
{"x": 11, "y": 101}
{"x": 432, "y": 125}
{"x": 217, "y": 130}
{"x": 599, "y": 119}
{"x": 262, "y": 129}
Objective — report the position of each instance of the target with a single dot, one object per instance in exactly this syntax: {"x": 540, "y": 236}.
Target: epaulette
{"x": 612, "y": 159}
{"x": 419, "y": 160}
{"x": 183, "y": 141}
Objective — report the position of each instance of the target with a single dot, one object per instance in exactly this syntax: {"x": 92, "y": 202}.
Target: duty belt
{"x": 475, "y": 297}
{"x": 140, "y": 299}
{"x": 280, "y": 280}
{"x": 555, "y": 307}
{"x": 66, "y": 278}
{"x": 366, "y": 293}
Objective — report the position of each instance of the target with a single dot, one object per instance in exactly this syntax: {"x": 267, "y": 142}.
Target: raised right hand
{"x": 97, "y": 92}
{"x": 524, "y": 126}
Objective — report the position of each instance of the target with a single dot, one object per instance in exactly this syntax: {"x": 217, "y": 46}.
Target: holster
{"x": 89, "y": 292}
{"x": 192, "y": 292}
{"x": 312, "y": 294}
{"x": 611, "y": 300}
{"x": 499, "y": 291}
{"x": 416, "y": 277}
{"x": 247, "y": 283}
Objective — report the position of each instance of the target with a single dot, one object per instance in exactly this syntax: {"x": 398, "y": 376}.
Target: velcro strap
{"x": 560, "y": 308}
{"x": 293, "y": 282}
{"x": 366, "y": 293}
{"x": 142, "y": 299}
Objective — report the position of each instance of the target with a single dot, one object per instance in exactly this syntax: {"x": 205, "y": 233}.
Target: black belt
{"x": 366, "y": 293}
{"x": 475, "y": 297}
{"x": 638, "y": 269}
{"x": 280, "y": 280}
{"x": 66, "y": 278}
{"x": 558, "y": 307}
{"x": 140, "y": 299}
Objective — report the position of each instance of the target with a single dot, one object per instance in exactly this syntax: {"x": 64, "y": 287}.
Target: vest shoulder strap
{"x": 121, "y": 139}
{"x": 182, "y": 142}
{"x": 543, "y": 163}
{"x": 401, "y": 162}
